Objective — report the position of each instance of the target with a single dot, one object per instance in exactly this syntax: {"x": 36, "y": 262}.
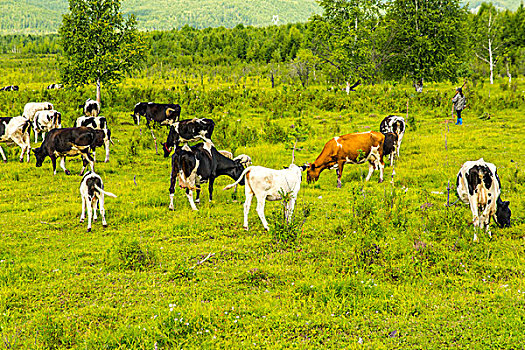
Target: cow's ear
{"x": 505, "y": 204}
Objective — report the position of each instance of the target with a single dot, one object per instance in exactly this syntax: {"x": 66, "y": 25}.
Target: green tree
{"x": 430, "y": 39}
{"x": 100, "y": 45}
{"x": 344, "y": 36}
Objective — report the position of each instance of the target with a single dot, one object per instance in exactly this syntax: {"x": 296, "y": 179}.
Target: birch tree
{"x": 100, "y": 45}
{"x": 486, "y": 37}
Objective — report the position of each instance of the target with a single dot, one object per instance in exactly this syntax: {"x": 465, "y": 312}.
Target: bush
{"x": 130, "y": 256}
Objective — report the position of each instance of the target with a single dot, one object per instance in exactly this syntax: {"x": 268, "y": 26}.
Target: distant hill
{"x": 44, "y": 16}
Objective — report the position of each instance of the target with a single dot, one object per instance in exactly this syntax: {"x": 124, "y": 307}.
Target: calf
{"x": 351, "y": 148}
{"x": 164, "y": 114}
{"x": 45, "y": 121}
{"x": 91, "y": 108}
{"x": 479, "y": 186}
{"x": 69, "y": 142}
{"x": 31, "y": 108}
{"x": 197, "y": 164}
{"x": 269, "y": 184}
{"x": 97, "y": 123}
{"x": 188, "y": 130}
{"x": 397, "y": 125}
{"x": 17, "y": 130}
{"x": 92, "y": 193}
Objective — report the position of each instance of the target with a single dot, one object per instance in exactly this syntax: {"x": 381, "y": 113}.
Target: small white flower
{"x": 360, "y": 341}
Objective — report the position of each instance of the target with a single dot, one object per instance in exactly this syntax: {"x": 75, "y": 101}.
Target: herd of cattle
{"x": 477, "y": 183}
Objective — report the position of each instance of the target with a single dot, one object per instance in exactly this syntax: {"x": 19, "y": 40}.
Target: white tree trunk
{"x": 491, "y": 62}
{"x": 98, "y": 91}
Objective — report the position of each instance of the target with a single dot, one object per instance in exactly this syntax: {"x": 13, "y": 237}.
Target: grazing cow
{"x": 390, "y": 145}
{"x": 164, "y": 114}
{"x": 31, "y": 108}
{"x": 197, "y": 164}
{"x": 479, "y": 186}
{"x": 92, "y": 193}
{"x": 397, "y": 125}
{"x": 188, "y": 130}
{"x": 351, "y": 148}
{"x": 9, "y": 88}
{"x": 54, "y": 86}
{"x": 17, "y": 130}
{"x": 269, "y": 184}
{"x": 45, "y": 121}
{"x": 91, "y": 108}
{"x": 97, "y": 123}
{"x": 69, "y": 142}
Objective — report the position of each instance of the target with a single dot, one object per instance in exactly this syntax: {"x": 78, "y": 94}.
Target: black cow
{"x": 164, "y": 114}
{"x": 198, "y": 164}
{"x": 60, "y": 143}
{"x": 9, "y": 88}
{"x": 390, "y": 146}
{"x": 188, "y": 130}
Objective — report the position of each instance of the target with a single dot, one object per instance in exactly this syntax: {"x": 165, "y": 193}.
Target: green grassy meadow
{"x": 374, "y": 265}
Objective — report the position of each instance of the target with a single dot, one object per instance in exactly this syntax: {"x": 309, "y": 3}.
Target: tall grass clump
{"x": 285, "y": 230}
{"x": 130, "y": 255}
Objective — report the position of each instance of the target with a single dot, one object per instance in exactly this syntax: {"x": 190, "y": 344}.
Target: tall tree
{"x": 344, "y": 37}
{"x": 430, "y": 39}
{"x": 486, "y": 38}
{"x": 100, "y": 45}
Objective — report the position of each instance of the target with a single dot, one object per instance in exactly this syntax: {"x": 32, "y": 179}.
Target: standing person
{"x": 460, "y": 102}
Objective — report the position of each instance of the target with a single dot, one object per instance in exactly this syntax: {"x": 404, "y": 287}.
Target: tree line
{"x": 352, "y": 41}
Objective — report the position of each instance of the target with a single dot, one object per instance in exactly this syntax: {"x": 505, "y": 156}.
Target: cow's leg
{"x": 381, "y": 166}
{"x": 155, "y": 140}
{"x": 106, "y": 145}
{"x": 261, "y": 201}
{"x": 371, "y": 168}
{"x": 210, "y": 188}
{"x": 36, "y": 135}
{"x": 198, "y": 190}
{"x": 173, "y": 183}
{"x": 94, "y": 203}
{"x": 102, "y": 211}
{"x": 289, "y": 209}
{"x": 340, "y": 166}
{"x": 473, "y": 202}
{"x": 3, "y": 154}
{"x": 20, "y": 142}
{"x": 247, "y": 203}
{"x": 87, "y": 159}
{"x": 189, "y": 194}
{"x": 63, "y": 165}
{"x": 27, "y": 141}
{"x": 83, "y": 216}
{"x": 90, "y": 215}
{"x": 399, "y": 144}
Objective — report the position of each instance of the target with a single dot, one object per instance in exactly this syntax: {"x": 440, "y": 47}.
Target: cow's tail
{"x": 104, "y": 192}
{"x": 239, "y": 179}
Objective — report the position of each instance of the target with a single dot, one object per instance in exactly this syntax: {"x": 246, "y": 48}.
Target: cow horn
{"x": 168, "y": 111}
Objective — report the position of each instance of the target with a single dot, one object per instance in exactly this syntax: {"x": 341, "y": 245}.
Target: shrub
{"x": 130, "y": 256}
{"x": 283, "y": 230}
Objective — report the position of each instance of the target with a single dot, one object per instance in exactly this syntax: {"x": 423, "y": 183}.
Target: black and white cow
{"x": 97, "y": 123}
{"x": 396, "y": 125}
{"x": 91, "y": 108}
{"x": 10, "y": 88}
{"x": 188, "y": 130}
{"x": 45, "y": 121}
{"x": 92, "y": 193}
{"x": 69, "y": 142}
{"x": 15, "y": 129}
{"x": 198, "y": 164}
{"x": 54, "y": 86}
{"x": 390, "y": 145}
{"x": 163, "y": 114}
{"x": 478, "y": 185}
{"x": 31, "y": 108}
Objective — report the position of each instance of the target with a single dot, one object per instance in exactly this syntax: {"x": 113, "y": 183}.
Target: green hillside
{"x": 44, "y": 16}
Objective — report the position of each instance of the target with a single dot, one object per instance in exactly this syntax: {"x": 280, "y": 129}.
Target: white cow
{"x": 31, "y": 108}
{"x": 92, "y": 192}
{"x": 479, "y": 186}
{"x": 17, "y": 130}
{"x": 268, "y": 184}
{"x": 46, "y": 121}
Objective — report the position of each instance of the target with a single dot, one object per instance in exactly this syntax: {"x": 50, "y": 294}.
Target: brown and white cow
{"x": 46, "y": 121}
{"x": 69, "y": 142}
{"x": 268, "y": 184}
{"x": 354, "y": 148}
{"x": 478, "y": 185}
{"x": 17, "y": 130}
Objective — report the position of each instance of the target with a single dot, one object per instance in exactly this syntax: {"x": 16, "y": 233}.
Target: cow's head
{"x": 167, "y": 150}
{"x": 503, "y": 213}
{"x": 57, "y": 120}
{"x": 173, "y": 115}
{"x": 40, "y": 155}
{"x": 312, "y": 173}
{"x": 140, "y": 109}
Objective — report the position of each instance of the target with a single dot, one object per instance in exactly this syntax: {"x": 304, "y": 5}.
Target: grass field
{"x": 374, "y": 265}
